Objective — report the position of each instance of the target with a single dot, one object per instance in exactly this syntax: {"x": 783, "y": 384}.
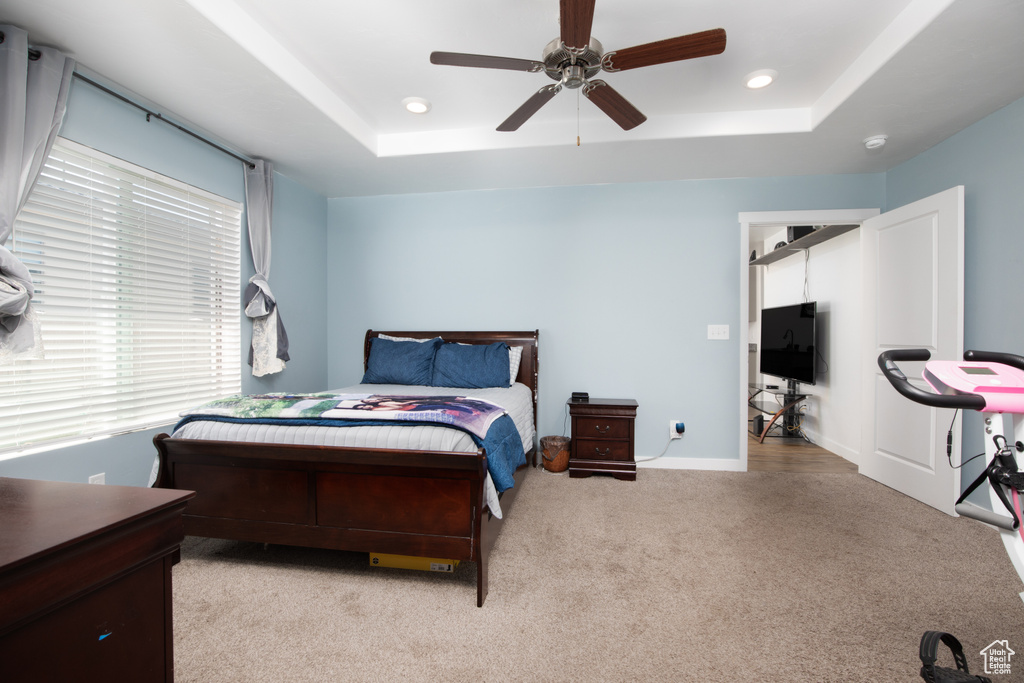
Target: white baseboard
{"x": 721, "y": 464}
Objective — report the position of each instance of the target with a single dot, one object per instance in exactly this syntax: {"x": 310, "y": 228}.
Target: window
{"x": 137, "y": 295}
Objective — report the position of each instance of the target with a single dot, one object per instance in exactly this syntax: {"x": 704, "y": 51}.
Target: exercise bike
{"x": 993, "y": 384}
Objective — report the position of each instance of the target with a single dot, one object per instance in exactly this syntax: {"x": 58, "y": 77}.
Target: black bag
{"x": 940, "y": 674}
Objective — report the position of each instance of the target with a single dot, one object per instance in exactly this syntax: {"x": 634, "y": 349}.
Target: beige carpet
{"x": 679, "y": 576}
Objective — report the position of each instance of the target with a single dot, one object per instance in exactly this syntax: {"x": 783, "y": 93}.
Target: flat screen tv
{"x": 788, "y": 341}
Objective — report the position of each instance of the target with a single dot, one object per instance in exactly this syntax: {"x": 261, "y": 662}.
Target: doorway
{"x": 762, "y": 224}
{"x": 794, "y": 455}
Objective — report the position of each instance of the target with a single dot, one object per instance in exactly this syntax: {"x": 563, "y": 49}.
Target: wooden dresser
{"x": 85, "y": 581}
{"x": 602, "y": 437}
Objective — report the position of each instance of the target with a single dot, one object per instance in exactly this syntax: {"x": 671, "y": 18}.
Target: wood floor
{"x": 793, "y": 455}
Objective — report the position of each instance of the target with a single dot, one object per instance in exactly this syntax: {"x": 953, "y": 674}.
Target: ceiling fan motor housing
{"x": 561, "y": 65}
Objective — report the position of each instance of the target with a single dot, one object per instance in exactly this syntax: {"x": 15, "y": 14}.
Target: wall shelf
{"x": 806, "y": 242}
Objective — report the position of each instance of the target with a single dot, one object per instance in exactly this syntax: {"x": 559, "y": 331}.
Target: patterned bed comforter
{"x": 487, "y": 423}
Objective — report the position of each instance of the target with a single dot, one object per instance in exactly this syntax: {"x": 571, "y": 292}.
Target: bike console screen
{"x": 1001, "y": 385}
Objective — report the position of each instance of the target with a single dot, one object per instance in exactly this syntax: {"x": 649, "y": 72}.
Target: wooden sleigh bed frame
{"x": 403, "y": 502}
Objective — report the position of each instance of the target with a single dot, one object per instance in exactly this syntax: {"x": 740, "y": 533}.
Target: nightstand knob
{"x": 605, "y": 453}
{"x": 602, "y": 431}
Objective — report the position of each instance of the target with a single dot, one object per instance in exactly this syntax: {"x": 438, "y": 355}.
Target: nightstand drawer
{"x": 602, "y": 428}
{"x": 596, "y": 449}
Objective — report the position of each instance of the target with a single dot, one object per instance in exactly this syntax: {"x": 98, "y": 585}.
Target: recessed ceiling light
{"x": 761, "y": 78}
{"x": 875, "y": 141}
{"x": 417, "y": 105}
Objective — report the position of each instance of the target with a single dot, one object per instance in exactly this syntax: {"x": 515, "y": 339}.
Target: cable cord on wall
{"x": 655, "y": 457}
{"x": 807, "y": 286}
{"x": 818, "y": 352}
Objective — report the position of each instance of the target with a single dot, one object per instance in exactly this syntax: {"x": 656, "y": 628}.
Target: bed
{"x": 401, "y": 499}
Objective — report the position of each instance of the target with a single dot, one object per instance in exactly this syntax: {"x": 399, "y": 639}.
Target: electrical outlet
{"x": 100, "y": 478}
{"x": 674, "y": 432}
{"x": 718, "y": 332}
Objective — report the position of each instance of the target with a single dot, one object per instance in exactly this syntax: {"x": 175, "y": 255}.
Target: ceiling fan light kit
{"x": 575, "y": 57}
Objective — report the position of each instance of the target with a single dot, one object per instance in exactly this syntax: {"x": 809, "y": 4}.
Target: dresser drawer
{"x": 596, "y": 449}
{"x": 602, "y": 428}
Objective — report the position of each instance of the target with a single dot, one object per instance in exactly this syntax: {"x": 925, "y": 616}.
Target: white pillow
{"x": 515, "y": 356}
{"x": 390, "y": 338}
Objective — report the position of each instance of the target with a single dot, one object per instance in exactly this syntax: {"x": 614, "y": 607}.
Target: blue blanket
{"x": 502, "y": 444}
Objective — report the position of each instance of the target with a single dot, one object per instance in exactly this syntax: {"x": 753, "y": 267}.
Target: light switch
{"x": 718, "y": 332}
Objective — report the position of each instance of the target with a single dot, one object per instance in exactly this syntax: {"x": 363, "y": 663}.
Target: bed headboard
{"x": 527, "y": 367}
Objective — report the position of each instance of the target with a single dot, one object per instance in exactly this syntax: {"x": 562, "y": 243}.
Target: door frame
{"x": 748, "y": 220}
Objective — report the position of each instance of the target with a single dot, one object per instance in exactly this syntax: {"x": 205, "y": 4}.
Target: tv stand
{"x": 787, "y": 411}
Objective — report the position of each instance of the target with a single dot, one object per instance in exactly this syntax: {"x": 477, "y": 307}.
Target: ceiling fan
{"x": 575, "y": 57}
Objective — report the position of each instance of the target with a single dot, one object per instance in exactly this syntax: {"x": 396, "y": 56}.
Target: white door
{"x": 913, "y": 298}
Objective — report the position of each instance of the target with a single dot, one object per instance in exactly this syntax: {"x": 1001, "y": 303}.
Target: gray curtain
{"x": 33, "y": 98}
{"x": 269, "y": 349}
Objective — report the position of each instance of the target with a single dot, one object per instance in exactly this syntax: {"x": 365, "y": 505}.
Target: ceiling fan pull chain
{"x": 577, "y": 118}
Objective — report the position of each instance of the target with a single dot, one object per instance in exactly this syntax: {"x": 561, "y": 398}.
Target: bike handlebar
{"x": 1011, "y": 359}
{"x": 887, "y": 362}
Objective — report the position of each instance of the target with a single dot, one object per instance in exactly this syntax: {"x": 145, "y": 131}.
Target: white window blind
{"x": 137, "y": 295}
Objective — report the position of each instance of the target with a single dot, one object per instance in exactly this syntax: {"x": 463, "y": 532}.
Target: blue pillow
{"x": 471, "y": 365}
{"x": 400, "y": 362}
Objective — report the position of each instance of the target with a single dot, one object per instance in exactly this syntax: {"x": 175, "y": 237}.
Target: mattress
{"x": 517, "y": 401}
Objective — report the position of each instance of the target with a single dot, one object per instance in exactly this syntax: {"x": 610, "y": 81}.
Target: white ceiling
{"x": 316, "y": 85}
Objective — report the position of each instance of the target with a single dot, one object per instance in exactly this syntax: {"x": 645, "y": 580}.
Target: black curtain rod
{"x": 150, "y": 113}
{"x": 33, "y": 54}
{"x": 36, "y": 54}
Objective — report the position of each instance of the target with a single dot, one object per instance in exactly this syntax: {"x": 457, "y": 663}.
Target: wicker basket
{"x": 555, "y": 453}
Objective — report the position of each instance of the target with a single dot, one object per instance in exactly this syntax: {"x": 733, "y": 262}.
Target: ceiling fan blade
{"x": 701, "y": 44}
{"x": 485, "y": 61}
{"x": 613, "y": 104}
{"x": 576, "y": 18}
{"x": 529, "y": 108}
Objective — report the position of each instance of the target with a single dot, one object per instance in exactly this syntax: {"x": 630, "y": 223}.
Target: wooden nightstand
{"x": 602, "y": 437}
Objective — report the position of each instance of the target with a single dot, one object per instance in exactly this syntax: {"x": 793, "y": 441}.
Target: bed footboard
{"x": 390, "y": 501}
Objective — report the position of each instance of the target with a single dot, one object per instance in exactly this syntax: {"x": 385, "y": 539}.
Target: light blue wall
{"x": 621, "y": 280}
{"x": 988, "y": 160}
{"x": 297, "y": 277}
